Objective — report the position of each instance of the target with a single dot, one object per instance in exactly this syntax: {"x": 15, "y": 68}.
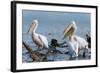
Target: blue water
{"x": 52, "y": 25}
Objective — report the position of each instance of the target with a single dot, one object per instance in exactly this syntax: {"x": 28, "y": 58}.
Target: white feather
{"x": 75, "y": 41}
{"x": 44, "y": 40}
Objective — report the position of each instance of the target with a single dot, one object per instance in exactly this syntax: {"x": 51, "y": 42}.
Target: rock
{"x": 61, "y": 57}
{"x": 43, "y": 51}
{"x": 62, "y": 50}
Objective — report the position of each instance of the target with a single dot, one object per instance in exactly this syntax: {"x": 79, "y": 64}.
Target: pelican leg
{"x": 76, "y": 53}
{"x": 39, "y": 48}
{"x": 77, "y": 49}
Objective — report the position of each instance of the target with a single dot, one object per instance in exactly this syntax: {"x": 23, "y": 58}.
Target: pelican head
{"x": 74, "y": 24}
{"x": 33, "y": 26}
{"x": 35, "y": 22}
{"x": 70, "y": 29}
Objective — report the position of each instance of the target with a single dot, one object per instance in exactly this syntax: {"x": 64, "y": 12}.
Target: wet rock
{"x": 58, "y": 57}
{"x": 61, "y": 57}
{"x": 62, "y": 50}
{"x": 43, "y": 51}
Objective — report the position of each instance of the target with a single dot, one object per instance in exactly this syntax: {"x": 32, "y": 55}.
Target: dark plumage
{"x": 54, "y": 43}
{"x": 88, "y": 39}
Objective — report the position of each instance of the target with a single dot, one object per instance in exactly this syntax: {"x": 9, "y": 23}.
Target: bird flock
{"x": 69, "y": 35}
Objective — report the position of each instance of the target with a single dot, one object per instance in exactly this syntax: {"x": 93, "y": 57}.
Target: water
{"x": 65, "y": 54}
{"x": 52, "y": 25}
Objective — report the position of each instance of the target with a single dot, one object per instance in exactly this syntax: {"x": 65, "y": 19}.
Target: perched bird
{"x": 40, "y": 40}
{"x": 88, "y": 38}
{"x": 75, "y": 41}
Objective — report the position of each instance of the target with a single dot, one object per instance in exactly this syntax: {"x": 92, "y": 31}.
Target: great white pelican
{"x": 40, "y": 40}
{"x": 75, "y": 41}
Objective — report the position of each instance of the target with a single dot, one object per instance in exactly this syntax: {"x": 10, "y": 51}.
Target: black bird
{"x": 88, "y": 39}
{"x": 54, "y": 43}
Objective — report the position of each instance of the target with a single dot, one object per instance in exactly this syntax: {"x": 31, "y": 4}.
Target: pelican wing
{"x": 44, "y": 40}
{"x": 81, "y": 41}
